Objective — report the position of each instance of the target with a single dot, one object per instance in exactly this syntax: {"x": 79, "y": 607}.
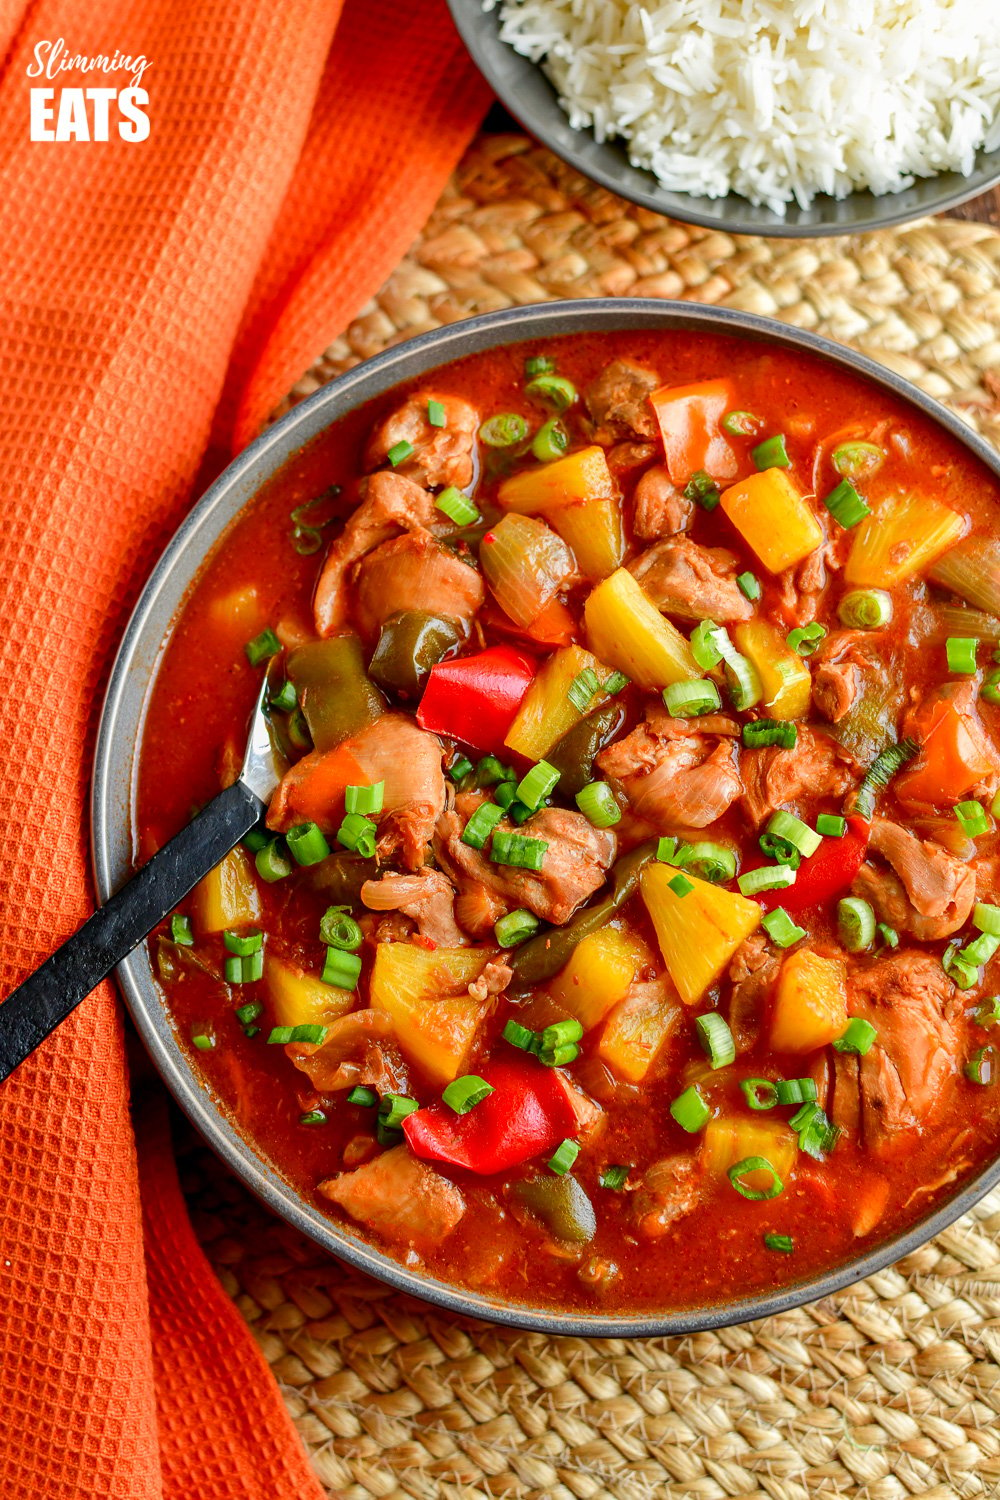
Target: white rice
{"x": 774, "y": 99}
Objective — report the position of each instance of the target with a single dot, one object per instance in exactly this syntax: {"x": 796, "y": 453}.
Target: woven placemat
{"x": 889, "y": 1390}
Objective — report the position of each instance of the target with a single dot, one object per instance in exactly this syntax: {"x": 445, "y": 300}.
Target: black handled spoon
{"x": 48, "y": 995}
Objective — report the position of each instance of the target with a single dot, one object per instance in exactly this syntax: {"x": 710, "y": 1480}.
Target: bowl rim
{"x": 472, "y": 23}
{"x": 123, "y": 714}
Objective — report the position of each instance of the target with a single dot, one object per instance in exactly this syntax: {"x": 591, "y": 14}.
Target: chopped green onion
{"x": 666, "y": 849}
{"x": 435, "y": 413}
{"x": 805, "y": 639}
{"x": 506, "y": 795}
{"x": 364, "y": 799}
{"x": 244, "y": 969}
{"x": 518, "y": 813}
{"x": 681, "y": 886}
{"x": 271, "y": 862}
{"x": 980, "y": 950}
{"x": 550, "y": 441}
{"x": 563, "y": 1157}
{"x": 516, "y": 927}
{"x": 887, "y": 936}
{"x": 990, "y": 690}
{"x": 504, "y": 430}
{"x": 597, "y": 803}
{"x": 312, "y": 1035}
{"x": 742, "y": 682}
{"x": 558, "y": 1057}
{"x": 262, "y": 647}
{"x": 307, "y": 844}
{"x": 973, "y": 818}
{"x": 961, "y": 653}
{"x": 341, "y": 969}
{"x": 716, "y": 1039}
{"x": 986, "y": 918}
{"x": 518, "y": 850}
{"x": 760, "y": 732}
{"x": 482, "y": 823}
{"x": 313, "y": 1117}
{"x": 780, "y": 928}
{"x": 357, "y": 834}
{"x": 203, "y": 1037}
{"x": 787, "y": 826}
{"x": 771, "y": 453}
{"x": 338, "y": 929}
{"x": 708, "y": 860}
{"x": 817, "y": 1135}
{"x": 463, "y": 1094}
{"x": 519, "y": 1036}
{"x": 766, "y": 878}
{"x": 614, "y": 1178}
{"x": 690, "y": 1110}
{"x": 399, "y": 453}
{"x": 881, "y": 771}
{"x": 249, "y": 943}
{"x": 741, "y": 424}
{"x": 538, "y": 364}
{"x": 286, "y": 699}
{"x": 688, "y": 700}
{"x": 460, "y": 768}
{"x": 963, "y": 975}
{"x": 457, "y": 507}
{"x": 180, "y": 931}
{"x": 554, "y": 390}
{"x": 491, "y": 770}
{"x": 760, "y": 1093}
{"x": 845, "y": 505}
{"x": 782, "y": 1243}
{"x": 749, "y": 1166}
{"x": 858, "y": 459}
{"x": 748, "y": 586}
{"x": 987, "y": 1012}
{"x": 539, "y": 782}
{"x": 560, "y": 1034}
{"x": 865, "y": 609}
{"x": 363, "y": 1097}
{"x": 855, "y": 924}
{"x": 257, "y": 839}
{"x": 394, "y": 1108}
{"x": 583, "y": 689}
{"x": 703, "y": 490}
{"x": 831, "y": 825}
{"x": 247, "y": 1014}
{"x": 796, "y": 1090}
{"x": 981, "y": 1067}
{"x": 703, "y": 645}
{"x": 615, "y": 683}
{"x": 859, "y": 1037}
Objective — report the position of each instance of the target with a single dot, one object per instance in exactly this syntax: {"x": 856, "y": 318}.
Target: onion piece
{"x": 971, "y": 569}
{"x": 949, "y": 833}
{"x": 526, "y": 565}
{"x": 957, "y": 619}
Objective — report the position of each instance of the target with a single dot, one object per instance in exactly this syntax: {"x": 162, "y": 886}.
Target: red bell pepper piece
{"x": 826, "y": 873}
{"x": 528, "y": 1113}
{"x": 474, "y": 698}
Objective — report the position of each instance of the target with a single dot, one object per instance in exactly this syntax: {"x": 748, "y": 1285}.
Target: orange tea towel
{"x": 155, "y": 291}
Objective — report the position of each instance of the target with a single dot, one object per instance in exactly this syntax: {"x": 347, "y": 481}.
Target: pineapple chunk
{"x": 729, "y": 1139}
{"x": 636, "y": 1030}
{"x": 227, "y": 896}
{"x": 425, "y": 995}
{"x": 625, "y": 628}
{"x": 698, "y": 933}
{"x": 810, "y": 1003}
{"x": 784, "y": 677}
{"x": 772, "y": 517}
{"x": 299, "y": 999}
{"x": 238, "y": 615}
{"x": 594, "y": 533}
{"x": 579, "y": 476}
{"x": 546, "y": 712}
{"x": 598, "y": 975}
{"x": 904, "y": 536}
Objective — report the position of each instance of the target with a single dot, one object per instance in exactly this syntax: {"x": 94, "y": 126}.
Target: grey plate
{"x": 529, "y": 96}
{"x": 121, "y": 726}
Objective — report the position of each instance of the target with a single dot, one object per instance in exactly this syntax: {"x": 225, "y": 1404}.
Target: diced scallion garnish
{"x": 614, "y": 1178}
{"x": 521, "y": 1037}
{"x": 262, "y": 647}
{"x": 690, "y": 1110}
{"x": 615, "y": 683}
{"x": 244, "y": 969}
{"x": 341, "y": 969}
{"x": 518, "y": 850}
{"x": 180, "y": 931}
{"x": 748, "y": 586}
{"x": 741, "y": 424}
{"x": 307, "y": 844}
{"x": 357, "y": 833}
{"x": 858, "y": 459}
{"x": 881, "y": 771}
{"x": 539, "y": 782}
{"x": 980, "y": 950}
{"x": 286, "y": 699}
{"x": 435, "y": 413}
{"x": 364, "y": 799}
{"x": 708, "y": 860}
{"x": 771, "y": 453}
{"x": 961, "y": 653}
{"x": 785, "y": 825}
{"x": 780, "y": 928}
{"x": 703, "y": 490}
{"x": 990, "y": 690}
{"x": 394, "y": 1108}
{"x": 516, "y": 927}
{"x": 538, "y": 364}
{"x": 242, "y": 943}
{"x": 987, "y": 1012}
{"x": 555, "y": 390}
{"x": 855, "y": 923}
{"x": 460, "y": 768}
{"x": 982, "y": 1066}
{"x": 817, "y": 1135}
{"x": 986, "y": 918}
{"x": 716, "y": 1039}
{"x": 583, "y": 689}
{"x": 311, "y": 1035}
{"x": 597, "y": 803}
{"x": 782, "y": 1243}
{"x": 203, "y": 1037}
{"x": 964, "y": 975}
{"x": 550, "y": 441}
{"x": 313, "y": 1117}
{"x": 865, "y": 609}
{"x": 746, "y": 1175}
{"x": 481, "y": 824}
{"x": 271, "y": 862}
{"x": 760, "y": 732}
{"x": 457, "y": 507}
{"x": 846, "y": 505}
{"x": 564, "y": 1156}
{"x": 796, "y": 1090}
{"x": 886, "y": 936}
{"x": 766, "y": 878}
{"x": 831, "y": 825}
{"x": 338, "y": 929}
{"x": 364, "y": 1098}
{"x": 247, "y": 1014}
{"x": 703, "y": 645}
{"x": 690, "y": 699}
{"x": 805, "y": 638}
{"x": 759, "y": 1093}
{"x": 973, "y": 817}
{"x": 859, "y": 1037}
{"x": 463, "y": 1094}
{"x": 666, "y": 849}
{"x": 399, "y": 453}
{"x": 681, "y": 886}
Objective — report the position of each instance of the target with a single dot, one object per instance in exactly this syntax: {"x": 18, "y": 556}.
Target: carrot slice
{"x": 313, "y": 790}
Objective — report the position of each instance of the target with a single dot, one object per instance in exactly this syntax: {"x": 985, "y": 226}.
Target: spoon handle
{"x": 48, "y": 995}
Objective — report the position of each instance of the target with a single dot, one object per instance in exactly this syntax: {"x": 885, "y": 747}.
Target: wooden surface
{"x": 984, "y": 210}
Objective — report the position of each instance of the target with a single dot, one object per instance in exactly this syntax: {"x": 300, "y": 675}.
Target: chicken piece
{"x": 816, "y": 766}
{"x": 677, "y": 772}
{"x": 427, "y": 897}
{"x": 898, "y": 1086}
{"x": 477, "y": 910}
{"x": 752, "y": 972}
{"x": 441, "y": 455}
{"x": 659, "y": 507}
{"x": 389, "y": 503}
{"x": 357, "y": 1048}
{"x": 696, "y": 583}
{"x": 400, "y": 1197}
{"x": 800, "y": 587}
{"x": 626, "y": 459}
{"x": 669, "y": 1190}
{"x": 494, "y": 979}
{"x": 929, "y": 892}
{"x": 618, "y": 401}
{"x": 414, "y": 572}
{"x": 576, "y": 861}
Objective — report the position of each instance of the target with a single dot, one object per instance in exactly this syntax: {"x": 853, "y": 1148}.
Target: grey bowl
{"x": 529, "y": 96}
{"x": 121, "y": 727}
